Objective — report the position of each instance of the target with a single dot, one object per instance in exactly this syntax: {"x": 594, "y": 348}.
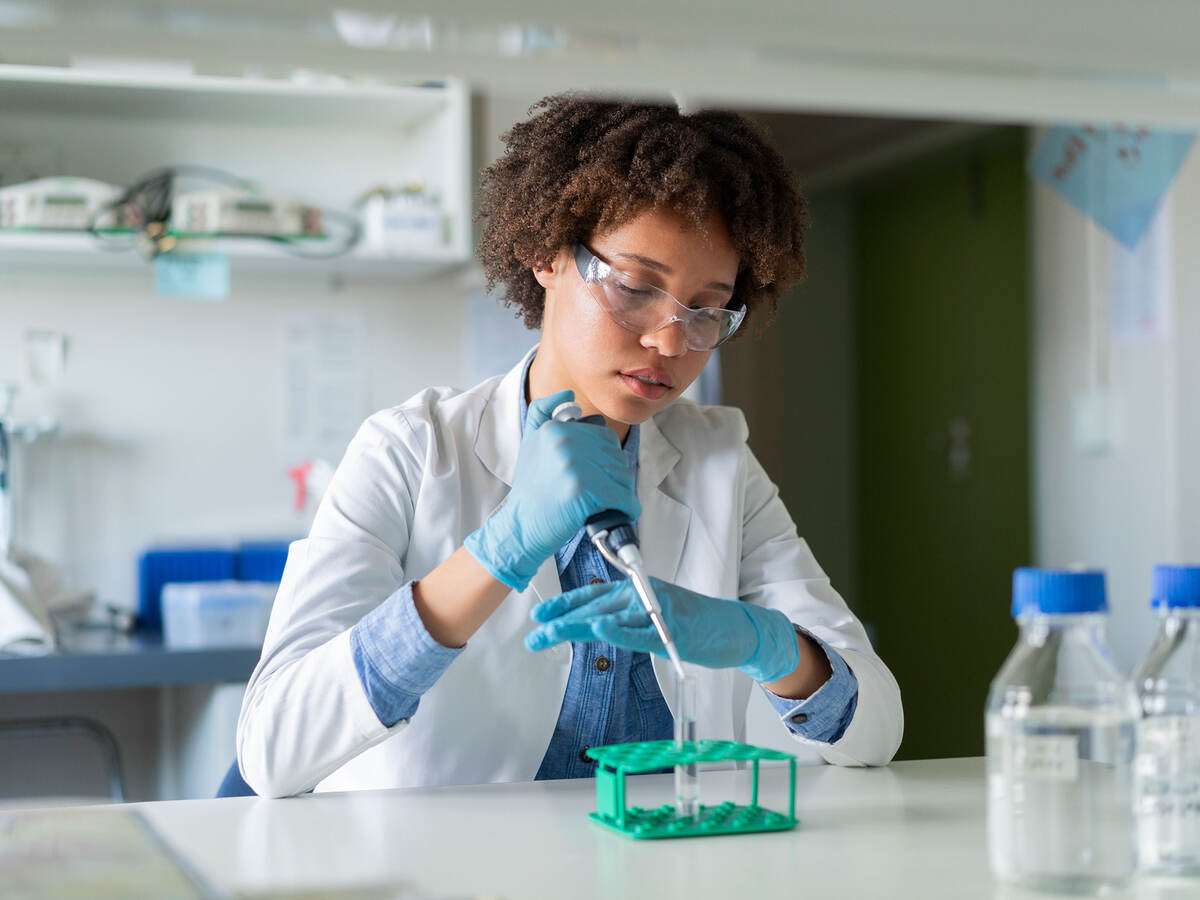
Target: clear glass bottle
{"x": 1167, "y": 778}
{"x": 1061, "y": 727}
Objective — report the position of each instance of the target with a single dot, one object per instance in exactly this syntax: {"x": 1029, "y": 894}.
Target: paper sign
{"x": 325, "y": 383}
{"x": 1117, "y": 176}
{"x": 1140, "y": 282}
{"x": 195, "y": 276}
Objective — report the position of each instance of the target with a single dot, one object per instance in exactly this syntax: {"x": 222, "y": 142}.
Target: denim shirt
{"x": 612, "y": 695}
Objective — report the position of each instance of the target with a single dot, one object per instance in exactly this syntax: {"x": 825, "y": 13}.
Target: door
{"x": 941, "y": 263}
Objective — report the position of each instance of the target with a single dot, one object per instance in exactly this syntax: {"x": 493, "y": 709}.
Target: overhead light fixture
{"x": 364, "y": 29}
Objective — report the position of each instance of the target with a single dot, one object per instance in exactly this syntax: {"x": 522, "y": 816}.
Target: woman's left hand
{"x": 707, "y": 631}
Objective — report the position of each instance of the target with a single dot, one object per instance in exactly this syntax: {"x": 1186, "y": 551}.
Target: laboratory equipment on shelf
{"x": 239, "y": 212}
{"x": 405, "y": 219}
{"x": 1167, "y": 772}
{"x": 61, "y": 203}
{"x": 1061, "y": 728}
{"x": 228, "y": 206}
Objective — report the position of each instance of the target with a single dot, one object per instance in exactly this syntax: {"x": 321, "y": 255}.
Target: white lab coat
{"x": 415, "y": 481}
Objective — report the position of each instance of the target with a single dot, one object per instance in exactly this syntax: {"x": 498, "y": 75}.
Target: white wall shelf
{"x": 325, "y": 144}
{"x": 46, "y": 253}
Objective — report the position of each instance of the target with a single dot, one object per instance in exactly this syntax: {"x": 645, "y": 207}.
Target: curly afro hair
{"x": 580, "y": 166}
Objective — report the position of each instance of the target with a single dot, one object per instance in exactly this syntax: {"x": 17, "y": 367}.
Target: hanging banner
{"x": 1118, "y": 176}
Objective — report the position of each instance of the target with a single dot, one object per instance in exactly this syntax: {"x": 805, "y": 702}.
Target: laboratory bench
{"x": 912, "y": 830}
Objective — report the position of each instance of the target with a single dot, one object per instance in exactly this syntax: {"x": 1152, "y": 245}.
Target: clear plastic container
{"x": 1061, "y": 727}
{"x": 216, "y": 613}
{"x": 1167, "y": 776}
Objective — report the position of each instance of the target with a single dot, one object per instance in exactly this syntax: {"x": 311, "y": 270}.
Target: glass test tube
{"x": 687, "y": 777}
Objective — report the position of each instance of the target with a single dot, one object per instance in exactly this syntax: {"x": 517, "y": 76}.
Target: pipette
{"x": 612, "y": 534}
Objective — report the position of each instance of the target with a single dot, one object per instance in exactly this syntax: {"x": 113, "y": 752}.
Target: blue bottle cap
{"x": 1176, "y": 586}
{"x": 1057, "y": 592}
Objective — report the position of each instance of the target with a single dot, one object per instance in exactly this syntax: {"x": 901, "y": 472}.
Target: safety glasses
{"x": 643, "y": 308}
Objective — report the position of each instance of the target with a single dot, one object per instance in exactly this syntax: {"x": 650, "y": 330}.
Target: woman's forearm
{"x": 456, "y": 598}
{"x": 812, "y": 672}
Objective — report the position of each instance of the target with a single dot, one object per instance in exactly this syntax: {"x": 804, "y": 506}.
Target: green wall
{"x": 941, "y": 267}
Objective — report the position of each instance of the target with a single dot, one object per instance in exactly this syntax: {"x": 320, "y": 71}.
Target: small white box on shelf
{"x": 405, "y": 220}
{"x": 216, "y": 613}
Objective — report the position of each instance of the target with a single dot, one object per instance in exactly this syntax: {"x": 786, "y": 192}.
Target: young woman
{"x": 446, "y": 622}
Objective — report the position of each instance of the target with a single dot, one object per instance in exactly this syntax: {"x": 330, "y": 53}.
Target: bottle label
{"x": 1043, "y": 757}
{"x": 1177, "y": 730}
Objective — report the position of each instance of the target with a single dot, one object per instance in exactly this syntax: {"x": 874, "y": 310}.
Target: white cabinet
{"x": 323, "y": 143}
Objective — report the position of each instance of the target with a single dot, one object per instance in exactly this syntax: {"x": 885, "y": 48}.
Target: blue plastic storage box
{"x": 161, "y": 565}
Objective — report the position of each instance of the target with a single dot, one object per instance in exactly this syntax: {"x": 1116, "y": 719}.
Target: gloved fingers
{"x": 612, "y": 495}
{"x": 634, "y": 617}
{"x": 630, "y": 637}
{"x": 541, "y": 409}
{"x": 555, "y": 606}
{"x": 591, "y": 599}
{"x": 546, "y": 636}
{"x": 593, "y": 440}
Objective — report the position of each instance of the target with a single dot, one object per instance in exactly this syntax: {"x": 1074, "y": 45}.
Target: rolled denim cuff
{"x": 396, "y": 658}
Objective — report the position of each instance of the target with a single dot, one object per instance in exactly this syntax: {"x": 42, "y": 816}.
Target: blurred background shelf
{"x": 261, "y": 101}
{"x": 325, "y": 142}
{"x": 28, "y": 252}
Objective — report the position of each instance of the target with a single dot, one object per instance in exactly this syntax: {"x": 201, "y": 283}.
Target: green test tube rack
{"x": 615, "y": 761}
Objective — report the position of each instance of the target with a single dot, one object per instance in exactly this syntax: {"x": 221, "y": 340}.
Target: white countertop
{"x": 912, "y": 830}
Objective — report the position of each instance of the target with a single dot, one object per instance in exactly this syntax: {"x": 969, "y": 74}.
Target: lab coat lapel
{"x": 499, "y": 437}
{"x": 497, "y": 445}
{"x": 663, "y": 527}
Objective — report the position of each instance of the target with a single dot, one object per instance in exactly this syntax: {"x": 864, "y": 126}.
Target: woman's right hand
{"x": 566, "y": 472}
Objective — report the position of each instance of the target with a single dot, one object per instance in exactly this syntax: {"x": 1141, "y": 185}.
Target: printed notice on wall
{"x": 324, "y": 384}
{"x": 1043, "y": 757}
{"x": 1140, "y": 281}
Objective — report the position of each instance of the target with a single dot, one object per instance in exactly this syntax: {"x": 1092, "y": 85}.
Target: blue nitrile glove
{"x": 566, "y": 472}
{"x": 707, "y": 631}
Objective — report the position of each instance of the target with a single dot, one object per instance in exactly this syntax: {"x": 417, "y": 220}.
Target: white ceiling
{"x": 1010, "y": 61}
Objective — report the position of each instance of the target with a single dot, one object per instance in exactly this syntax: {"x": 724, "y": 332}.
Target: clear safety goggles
{"x": 643, "y": 308}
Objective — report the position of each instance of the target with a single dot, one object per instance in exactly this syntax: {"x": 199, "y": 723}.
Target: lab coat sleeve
{"x": 305, "y": 711}
{"x": 779, "y": 571}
